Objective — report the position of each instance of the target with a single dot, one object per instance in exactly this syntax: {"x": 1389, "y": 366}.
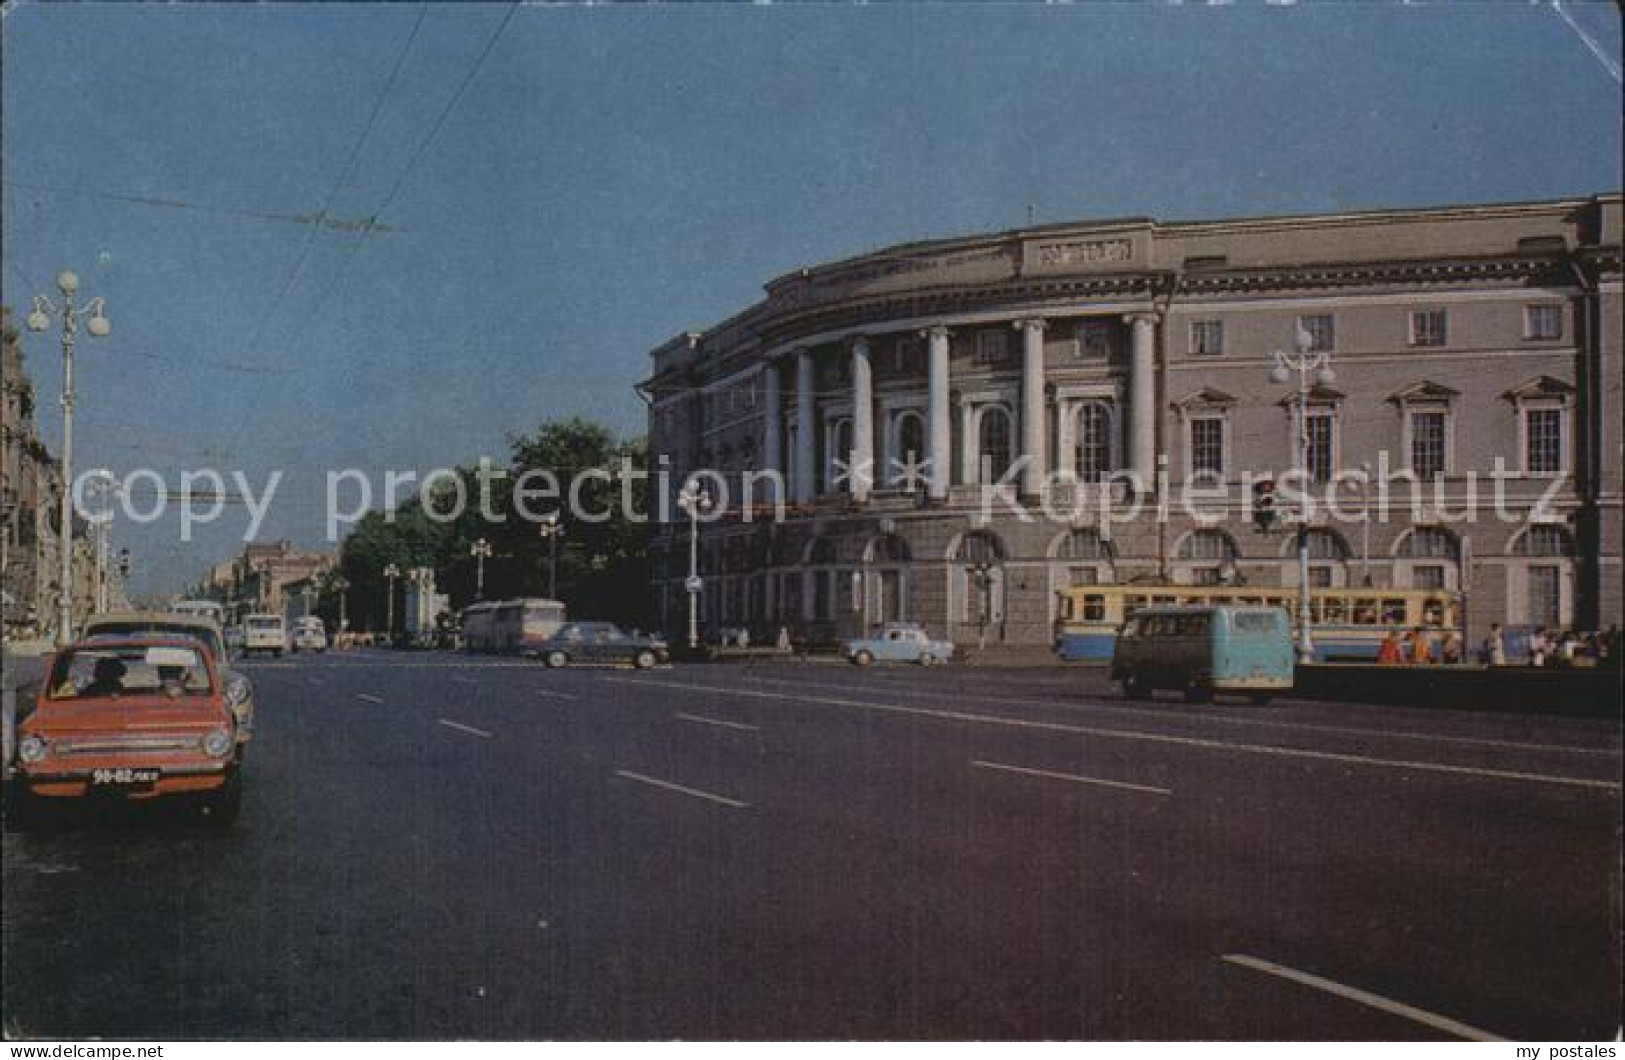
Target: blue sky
{"x": 606, "y": 177}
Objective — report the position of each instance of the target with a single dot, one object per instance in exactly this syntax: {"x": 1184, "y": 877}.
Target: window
{"x": 1543, "y": 441}
{"x": 1427, "y": 576}
{"x": 1429, "y": 542}
{"x": 904, "y": 352}
{"x": 1092, "y": 339}
{"x": 1319, "y": 330}
{"x": 1207, "y": 338}
{"x": 1208, "y": 545}
{"x": 910, "y": 450}
{"x": 1094, "y": 454}
{"x": 1428, "y": 444}
{"x": 1428, "y": 327}
{"x": 1077, "y": 576}
{"x": 1545, "y": 541}
{"x": 991, "y": 347}
{"x": 1318, "y": 431}
{"x": 1543, "y": 321}
{"x": 994, "y": 435}
{"x": 1545, "y": 595}
{"x": 1094, "y": 608}
{"x": 1207, "y": 445}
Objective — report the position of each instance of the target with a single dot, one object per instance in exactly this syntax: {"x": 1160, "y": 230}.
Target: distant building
{"x": 1136, "y": 354}
{"x": 274, "y": 577}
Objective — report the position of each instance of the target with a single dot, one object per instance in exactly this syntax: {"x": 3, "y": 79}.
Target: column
{"x": 806, "y": 475}
{"x": 861, "y": 474}
{"x": 970, "y": 462}
{"x": 1036, "y": 469}
{"x": 938, "y": 430}
{"x": 1066, "y": 440}
{"x": 1143, "y": 402}
{"x": 772, "y": 419}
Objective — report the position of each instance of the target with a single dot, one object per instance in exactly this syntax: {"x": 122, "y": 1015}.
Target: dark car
{"x": 601, "y": 642}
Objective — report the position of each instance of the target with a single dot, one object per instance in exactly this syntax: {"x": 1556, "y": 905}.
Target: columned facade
{"x": 968, "y": 417}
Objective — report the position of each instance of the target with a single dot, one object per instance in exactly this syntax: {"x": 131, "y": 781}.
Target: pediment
{"x": 1423, "y": 390}
{"x": 1541, "y": 386}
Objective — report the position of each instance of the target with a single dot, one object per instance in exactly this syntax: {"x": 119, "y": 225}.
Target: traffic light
{"x": 1264, "y": 513}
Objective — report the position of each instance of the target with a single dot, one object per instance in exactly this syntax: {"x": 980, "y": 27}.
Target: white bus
{"x": 511, "y": 626}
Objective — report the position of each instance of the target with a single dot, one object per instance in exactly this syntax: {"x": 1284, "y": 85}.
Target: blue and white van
{"x": 1205, "y": 650}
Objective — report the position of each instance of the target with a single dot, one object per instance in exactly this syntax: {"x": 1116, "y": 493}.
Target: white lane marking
{"x": 465, "y": 728}
{"x": 460, "y": 679}
{"x": 1074, "y": 778}
{"x": 1146, "y": 737}
{"x": 1364, "y": 997}
{"x": 555, "y": 695}
{"x": 695, "y": 792}
{"x": 1162, "y": 715}
{"x": 701, "y": 719}
{"x": 369, "y": 699}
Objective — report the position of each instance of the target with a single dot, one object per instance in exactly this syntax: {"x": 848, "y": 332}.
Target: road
{"x": 439, "y": 847}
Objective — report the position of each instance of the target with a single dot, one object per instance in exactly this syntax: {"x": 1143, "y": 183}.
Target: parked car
{"x": 898, "y": 642}
{"x": 264, "y": 633}
{"x": 309, "y": 634}
{"x": 239, "y": 690}
{"x": 1205, "y": 650}
{"x": 601, "y": 642}
{"x": 130, "y": 717}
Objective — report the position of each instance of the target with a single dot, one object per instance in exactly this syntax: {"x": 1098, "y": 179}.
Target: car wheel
{"x": 1196, "y": 693}
{"x": 864, "y": 658}
{"x": 220, "y": 808}
{"x": 644, "y": 660}
{"x": 927, "y": 659}
{"x": 556, "y": 659}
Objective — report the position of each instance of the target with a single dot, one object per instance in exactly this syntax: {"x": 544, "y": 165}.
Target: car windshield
{"x": 202, "y": 634}
{"x": 134, "y": 672}
{"x": 264, "y": 623}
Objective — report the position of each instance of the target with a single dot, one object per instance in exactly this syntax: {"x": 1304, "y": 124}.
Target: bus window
{"x": 1250, "y": 601}
{"x": 1094, "y": 608}
{"x": 1066, "y": 608}
{"x": 1256, "y": 621}
{"x": 1132, "y": 604}
{"x": 1275, "y": 601}
{"x": 1220, "y": 600}
{"x": 1365, "y": 612}
{"x": 1393, "y": 612}
{"x": 1433, "y": 611}
{"x": 1336, "y": 610}
{"x": 1162, "y": 599}
{"x": 1315, "y": 606}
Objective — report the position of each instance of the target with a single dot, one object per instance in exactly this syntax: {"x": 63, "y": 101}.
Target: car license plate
{"x": 123, "y": 777}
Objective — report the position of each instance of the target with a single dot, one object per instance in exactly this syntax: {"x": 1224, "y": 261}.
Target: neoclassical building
{"x": 965, "y": 426}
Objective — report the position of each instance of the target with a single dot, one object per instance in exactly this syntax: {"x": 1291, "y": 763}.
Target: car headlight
{"x": 217, "y": 743}
{"x": 32, "y": 749}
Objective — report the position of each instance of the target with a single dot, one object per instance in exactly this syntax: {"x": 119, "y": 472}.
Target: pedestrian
{"x": 1495, "y": 646}
{"x": 1566, "y": 645}
{"x": 783, "y": 642}
{"x": 1391, "y": 653}
{"x": 1450, "y": 654}
{"x": 1421, "y": 647}
{"x": 1538, "y": 647}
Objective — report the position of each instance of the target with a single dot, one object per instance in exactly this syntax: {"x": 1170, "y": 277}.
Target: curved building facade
{"x": 951, "y": 432}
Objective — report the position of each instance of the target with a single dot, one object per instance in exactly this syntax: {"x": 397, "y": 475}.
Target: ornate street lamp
{"x": 694, "y": 499}
{"x": 550, "y": 530}
{"x": 99, "y": 327}
{"x": 481, "y": 551}
{"x": 1305, "y": 361}
{"x": 391, "y": 572}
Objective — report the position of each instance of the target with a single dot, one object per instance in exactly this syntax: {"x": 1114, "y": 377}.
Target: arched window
{"x": 888, "y": 548}
{"x": 839, "y": 455}
{"x": 980, "y": 546}
{"x": 910, "y": 449}
{"x": 1086, "y": 545}
{"x": 1429, "y": 542}
{"x": 1546, "y": 541}
{"x": 820, "y": 552}
{"x": 1208, "y": 545}
{"x": 1094, "y": 446}
{"x": 1326, "y": 545}
{"x": 994, "y": 450}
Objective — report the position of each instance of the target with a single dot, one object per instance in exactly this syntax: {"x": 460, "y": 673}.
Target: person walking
{"x": 1538, "y": 647}
{"x": 1495, "y": 646}
{"x": 1391, "y": 652}
{"x": 1421, "y": 647}
{"x": 1451, "y": 653}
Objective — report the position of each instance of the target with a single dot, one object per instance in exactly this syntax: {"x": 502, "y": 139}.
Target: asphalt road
{"x": 443, "y": 847}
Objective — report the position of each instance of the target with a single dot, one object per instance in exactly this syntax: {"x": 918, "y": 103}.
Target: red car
{"x": 133, "y": 718}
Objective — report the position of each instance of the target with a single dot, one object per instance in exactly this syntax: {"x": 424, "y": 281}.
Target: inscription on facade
{"x": 1086, "y": 252}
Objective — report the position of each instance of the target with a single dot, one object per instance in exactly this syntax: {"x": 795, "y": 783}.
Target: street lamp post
{"x": 99, "y": 327}
{"x": 341, "y": 585}
{"x": 1305, "y": 361}
{"x": 550, "y": 530}
{"x": 124, "y": 577}
{"x": 102, "y": 484}
{"x": 481, "y": 551}
{"x": 391, "y": 572}
{"x": 694, "y": 499}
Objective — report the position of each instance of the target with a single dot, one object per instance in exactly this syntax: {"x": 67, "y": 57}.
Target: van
{"x": 1205, "y": 650}
{"x": 264, "y": 633}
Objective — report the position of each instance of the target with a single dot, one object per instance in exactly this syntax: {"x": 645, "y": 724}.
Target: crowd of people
{"x": 1541, "y": 647}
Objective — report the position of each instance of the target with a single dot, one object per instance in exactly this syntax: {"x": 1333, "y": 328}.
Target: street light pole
{"x": 98, "y": 326}
{"x": 480, "y": 550}
{"x": 1303, "y": 360}
{"x": 391, "y": 572}
{"x": 550, "y": 530}
{"x": 693, "y": 499}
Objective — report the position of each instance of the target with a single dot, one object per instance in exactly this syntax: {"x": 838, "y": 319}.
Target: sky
{"x": 559, "y": 189}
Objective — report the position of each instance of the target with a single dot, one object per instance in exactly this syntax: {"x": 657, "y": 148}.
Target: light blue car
{"x": 898, "y": 642}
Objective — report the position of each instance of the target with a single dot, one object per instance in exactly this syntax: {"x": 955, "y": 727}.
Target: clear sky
{"x": 565, "y": 187}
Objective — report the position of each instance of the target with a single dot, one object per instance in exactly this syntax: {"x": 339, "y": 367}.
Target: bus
{"x": 203, "y": 608}
{"x": 510, "y": 626}
{"x": 1346, "y": 624}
